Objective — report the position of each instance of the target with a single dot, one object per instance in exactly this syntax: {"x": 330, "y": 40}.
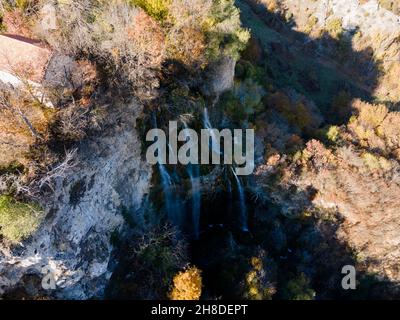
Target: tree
{"x": 375, "y": 127}
{"x": 148, "y": 264}
{"x": 214, "y": 26}
{"x": 258, "y": 285}
{"x": 244, "y": 100}
{"x": 158, "y": 9}
{"x": 187, "y": 285}
{"x": 298, "y": 288}
{"x": 18, "y": 220}
{"x": 125, "y": 42}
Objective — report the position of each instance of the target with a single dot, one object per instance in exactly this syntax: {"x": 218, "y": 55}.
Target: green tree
{"x": 18, "y": 220}
{"x": 298, "y": 289}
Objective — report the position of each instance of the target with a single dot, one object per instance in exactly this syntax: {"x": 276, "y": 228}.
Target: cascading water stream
{"x": 242, "y": 198}
{"x": 166, "y": 182}
{"x": 194, "y": 174}
{"x": 208, "y": 126}
{"x": 172, "y": 202}
{"x": 242, "y": 202}
{"x": 207, "y": 122}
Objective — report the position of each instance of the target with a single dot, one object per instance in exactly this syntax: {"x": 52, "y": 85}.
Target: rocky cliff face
{"x": 220, "y": 77}
{"x": 74, "y": 239}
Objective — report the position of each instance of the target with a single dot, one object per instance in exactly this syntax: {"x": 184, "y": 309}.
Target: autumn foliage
{"x": 187, "y": 285}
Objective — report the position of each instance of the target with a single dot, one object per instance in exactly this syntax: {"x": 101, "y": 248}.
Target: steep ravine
{"x": 74, "y": 239}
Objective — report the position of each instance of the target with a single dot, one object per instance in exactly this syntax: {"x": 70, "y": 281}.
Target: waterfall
{"x": 207, "y": 125}
{"x": 194, "y": 174}
{"x": 172, "y": 201}
{"x": 167, "y": 184}
{"x": 171, "y": 185}
{"x": 242, "y": 199}
{"x": 242, "y": 202}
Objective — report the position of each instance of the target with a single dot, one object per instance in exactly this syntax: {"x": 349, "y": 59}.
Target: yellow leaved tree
{"x": 187, "y": 285}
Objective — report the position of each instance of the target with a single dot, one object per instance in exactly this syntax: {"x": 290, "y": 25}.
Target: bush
{"x": 258, "y": 286}
{"x": 376, "y": 163}
{"x": 335, "y": 28}
{"x": 158, "y": 9}
{"x": 392, "y": 5}
{"x": 295, "y": 109}
{"x": 224, "y": 31}
{"x": 340, "y": 109}
{"x": 247, "y": 70}
{"x": 126, "y": 43}
{"x": 311, "y": 23}
{"x": 2, "y": 26}
{"x": 187, "y": 285}
{"x": 188, "y": 45}
{"x": 214, "y": 27}
{"x": 23, "y": 121}
{"x": 243, "y": 101}
{"x": 148, "y": 265}
{"x": 375, "y": 127}
{"x": 333, "y": 133}
{"x": 131, "y": 42}
{"x": 18, "y": 220}
{"x": 27, "y": 7}
{"x": 298, "y": 289}
{"x": 22, "y": 4}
